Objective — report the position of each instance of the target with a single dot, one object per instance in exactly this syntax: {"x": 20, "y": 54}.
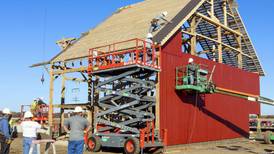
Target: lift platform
{"x": 126, "y": 88}
{"x": 194, "y": 77}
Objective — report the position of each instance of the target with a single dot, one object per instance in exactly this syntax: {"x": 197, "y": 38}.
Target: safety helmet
{"x": 164, "y": 13}
{"x": 28, "y": 114}
{"x": 6, "y": 111}
{"x": 78, "y": 109}
{"x": 190, "y": 60}
{"x": 149, "y": 35}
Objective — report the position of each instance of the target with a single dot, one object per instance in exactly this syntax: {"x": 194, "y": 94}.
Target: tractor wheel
{"x": 93, "y": 144}
{"x": 267, "y": 137}
{"x": 132, "y": 146}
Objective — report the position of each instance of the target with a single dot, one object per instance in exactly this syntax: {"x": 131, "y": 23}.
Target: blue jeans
{"x": 154, "y": 27}
{"x": 27, "y": 144}
{"x": 76, "y": 147}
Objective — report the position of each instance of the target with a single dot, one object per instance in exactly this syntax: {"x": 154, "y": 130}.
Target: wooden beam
{"x": 72, "y": 70}
{"x": 219, "y": 46}
{"x": 63, "y": 90}
{"x": 223, "y": 44}
{"x": 75, "y": 79}
{"x": 212, "y": 7}
{"x": 218, "y": 24}
{"x": 193, "y": 41}
{"x": 240, "y": 57}
{"x": 211, "y": 39}
{"x": 71, "y": 106}
{"x": 157, "y": 106}
{"x": 224, "y": 5}
{"x": 203, "y": 52}
{"x": 50, "y": 116}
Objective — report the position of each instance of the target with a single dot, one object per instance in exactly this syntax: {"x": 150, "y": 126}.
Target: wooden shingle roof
{"x": 131, "y": 22}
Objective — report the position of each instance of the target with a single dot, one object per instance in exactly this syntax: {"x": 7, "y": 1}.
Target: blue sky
{"x": 27, "y": 28}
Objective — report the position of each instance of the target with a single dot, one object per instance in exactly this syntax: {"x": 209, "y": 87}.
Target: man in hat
{"x": 149, "y": 46}
{"x": 5, "y": 132}
{"x": 29, "y": 129}
{"x": 191, "y": 68}
{"x": 75, "y": 127}
{"x": 158, "y": 21}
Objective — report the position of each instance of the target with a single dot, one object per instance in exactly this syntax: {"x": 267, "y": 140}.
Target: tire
{"x": 132, "y": 146}
{"x": 93, "y": 144}
{"x": 267, "y": 136}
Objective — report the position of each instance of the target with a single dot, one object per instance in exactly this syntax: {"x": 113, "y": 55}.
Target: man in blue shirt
{"x": 5, "y": 132}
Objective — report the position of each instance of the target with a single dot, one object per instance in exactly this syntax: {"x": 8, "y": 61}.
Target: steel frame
{"x": 126, "y": 94}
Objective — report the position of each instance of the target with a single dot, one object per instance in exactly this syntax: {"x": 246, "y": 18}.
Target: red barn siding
{"x": 214, "y": 116}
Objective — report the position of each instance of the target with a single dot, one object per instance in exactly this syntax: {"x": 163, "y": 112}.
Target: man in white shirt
{"x": 29, "y": 129}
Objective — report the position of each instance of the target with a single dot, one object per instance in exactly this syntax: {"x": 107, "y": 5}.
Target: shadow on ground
{"x": 236, "y": 148}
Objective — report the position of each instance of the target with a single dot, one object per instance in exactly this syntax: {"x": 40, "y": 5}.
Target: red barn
{"x": 211, "y": 32}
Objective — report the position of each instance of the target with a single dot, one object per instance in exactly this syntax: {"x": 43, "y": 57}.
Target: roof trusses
{"x": 217, "y": 27}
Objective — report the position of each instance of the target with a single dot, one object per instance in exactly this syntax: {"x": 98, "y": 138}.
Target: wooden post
{"x": 225, "y": 12}
{"x": 240, "y": 56}
{"x": 193, "y": 40}
{"x": 212, "y": 7}
{"x": 63, "y": 90}
{"x": 51, "y": 89}
{"x": 220, "y": 51}
{"x": 157, "y": 105}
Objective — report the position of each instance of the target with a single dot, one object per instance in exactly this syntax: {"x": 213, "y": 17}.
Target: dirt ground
{"x": 235, "y": 146}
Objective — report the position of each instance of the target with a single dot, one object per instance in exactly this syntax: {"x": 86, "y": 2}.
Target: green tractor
{"x": 194, "y": 77}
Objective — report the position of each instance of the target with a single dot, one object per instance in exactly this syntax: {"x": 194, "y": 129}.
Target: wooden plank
{"x": 193, "y": 40}
{"x": 219, "y": 46}
{"x": 225, "y": 12}
{"x": 51, "y": 91}
{"x": 157, "y": 106}
{"x": 218, "y": 24}
{"x": 80, "y": 69}
{"x": 75, "y": 79}
{"x": 240, "y": 56}
{"x": 63, "y": 90}
{"x": 228, "y": 46}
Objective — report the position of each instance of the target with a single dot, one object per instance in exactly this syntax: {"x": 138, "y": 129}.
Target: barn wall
{"x": 200, "y": 118}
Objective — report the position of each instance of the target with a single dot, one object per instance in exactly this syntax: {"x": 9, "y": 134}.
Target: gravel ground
{"x": 236, "y": 146}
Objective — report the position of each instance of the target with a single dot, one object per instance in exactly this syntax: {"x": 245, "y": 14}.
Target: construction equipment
{"x": 203, "y": 84}
{"x": 201, "y": 79}
{"x": 38, "y": 108}
{"x": 126, "y": 97}
{"x": 264, "y": 126}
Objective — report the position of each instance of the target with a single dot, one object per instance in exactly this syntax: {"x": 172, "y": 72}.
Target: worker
{"x": 149, "y": 44}
{"x": 29, "y": 129}
{"x": 77, "y": 125}
{"x": 191, "y": 70}
{"x": 5, "y": 131}
{"x": 158, "y": 21}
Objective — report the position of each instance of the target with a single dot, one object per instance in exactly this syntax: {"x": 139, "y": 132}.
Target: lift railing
{"x": 130, "y": 52}
{"x": 183, "y": 76}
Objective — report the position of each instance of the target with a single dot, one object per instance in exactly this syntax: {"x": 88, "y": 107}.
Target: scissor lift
{"x": 127, "y": 96}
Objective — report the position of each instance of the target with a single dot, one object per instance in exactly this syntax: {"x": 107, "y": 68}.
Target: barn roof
{"x": 133, "y": 21}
